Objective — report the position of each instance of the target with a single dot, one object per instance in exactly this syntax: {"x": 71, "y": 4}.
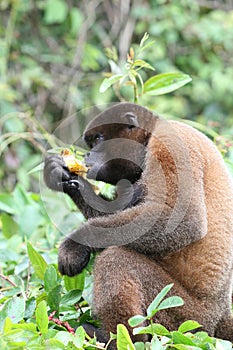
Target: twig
{"x": 61, "y": 323}
{"x": 5, "y": 278}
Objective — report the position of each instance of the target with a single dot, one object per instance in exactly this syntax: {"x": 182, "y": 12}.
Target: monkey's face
{"x": 117, "y": 152}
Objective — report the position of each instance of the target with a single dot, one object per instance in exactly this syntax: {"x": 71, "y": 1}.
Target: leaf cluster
{"x": 131, "y": 75}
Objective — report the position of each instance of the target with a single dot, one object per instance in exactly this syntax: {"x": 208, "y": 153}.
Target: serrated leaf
{"x": 151, "y": 310}
{"x": 53, "y": 344}
{"x": 173, "y": 301}
{"x": 54, "y": 297}
{"x": 124, "y": 341}
{"x": 179, "y": 338}
{"x": 188, "y": 326}
{"x": 107, "y": 82}
{"x": 164, "y": 83}
{"x": 14, "y": 309}
{"x": 72, "y": 297}
{"x": 136, "y": 320}
{"x": 76, "y": 282}
{"x": 37, "y": 261}
{"x": 155, "y": 328}
{"x": 42, "y": 317}
{"x": 142, "y": 64}
{"x": 50, "y": 278}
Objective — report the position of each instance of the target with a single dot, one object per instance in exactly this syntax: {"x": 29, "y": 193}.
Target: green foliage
{"x": 51, "y": 63}
{"x": 182, "y": 339}
{"x": 156, "y": 85}
{"x": 52, "y": 56}
{"x": 159, "y": 303}
{"x": 39, "y": 317}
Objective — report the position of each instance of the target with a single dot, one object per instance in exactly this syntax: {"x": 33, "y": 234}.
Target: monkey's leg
{"x": 125, "y": 284}
{"x": 224, "y": 328}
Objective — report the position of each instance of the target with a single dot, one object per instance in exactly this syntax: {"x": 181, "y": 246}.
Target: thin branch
{"x": 5, "y": 278}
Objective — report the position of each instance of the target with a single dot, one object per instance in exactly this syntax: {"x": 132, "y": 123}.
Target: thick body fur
{"x": 182, "y": 201}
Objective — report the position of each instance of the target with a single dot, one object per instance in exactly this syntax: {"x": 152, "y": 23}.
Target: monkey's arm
{"x": 150, "y": 228}
{"x": 58, "y": 178}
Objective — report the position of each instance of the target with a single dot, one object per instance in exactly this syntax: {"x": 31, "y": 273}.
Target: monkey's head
{"x": 117, "y": 139}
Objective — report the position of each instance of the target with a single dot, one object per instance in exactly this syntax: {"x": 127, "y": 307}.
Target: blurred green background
{"x": 52, "y": 61}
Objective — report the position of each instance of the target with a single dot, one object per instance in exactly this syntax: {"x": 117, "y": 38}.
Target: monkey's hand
{"x": 58, "y": 177}
{"x": 72, "y": 257}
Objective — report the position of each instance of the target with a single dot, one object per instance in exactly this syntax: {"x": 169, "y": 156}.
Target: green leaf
{"x": 37, "y": 261}
{"x": 54, "y": 297}
{"x": 76, "y": 18}
{"x": 223, "y": 344}
{"x": 186, "y": 347}
{"x": 155, "y": 328}
{"x": 76, "y": 282}
{"x": 7, "y": 203}
{"x": 156, "y": 344}
{"x": 30, "y": 307}
{"x": 50, "y": 278}
{"x": 7, "y": 325}
{"x": 136, "y": 320}
{"x": 107, "y": 82}
{"x": 72, "y": 297}
{"x": 9, "y": 226}
{"x": 152, "y": 309}
{"x": 64, "y": 337}
{"x": 171, "y": 302}
{"x": 42, "y": 320}
{"x": 188, "y": 326}
{"x": 164, "y": 83}
{"x": 55, "y": 11}
{"x": 26, "y": 326}
{"x": 79, "y": 337}
{"x": 142, "y": 64}
{"x": 14, "y": 309}
{"x": 144, "y": 39}
{"x": 124, "y": 341}
{"x": 53, "y": 344}
{"x": 179, "y": 338}
{"x": 139, "y": 345}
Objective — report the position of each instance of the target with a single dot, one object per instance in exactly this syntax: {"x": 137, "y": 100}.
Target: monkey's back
{"x": 205, "y": 267}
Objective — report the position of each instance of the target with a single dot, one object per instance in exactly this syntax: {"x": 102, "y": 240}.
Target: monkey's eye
{"x": 95, "y": 139}
{"x": 98, "y": 137}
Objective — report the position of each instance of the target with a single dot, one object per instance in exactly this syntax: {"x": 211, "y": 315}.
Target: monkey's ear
{"x": 131, "y": 118}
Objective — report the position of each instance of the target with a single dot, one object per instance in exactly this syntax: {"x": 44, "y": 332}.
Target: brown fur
{"x": 196, "y": 255}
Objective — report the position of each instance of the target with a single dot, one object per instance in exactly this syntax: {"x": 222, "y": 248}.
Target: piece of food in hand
{"x": 77, "y": 167}
{"x": 74, "y": 165}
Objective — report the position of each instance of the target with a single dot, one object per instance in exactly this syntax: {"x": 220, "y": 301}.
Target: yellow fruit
{"x": 74, "y": 165}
